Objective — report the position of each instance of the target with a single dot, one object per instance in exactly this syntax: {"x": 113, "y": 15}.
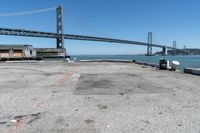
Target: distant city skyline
{"x": 169, "y": 20}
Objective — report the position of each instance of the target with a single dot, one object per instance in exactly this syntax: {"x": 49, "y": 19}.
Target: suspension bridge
{"x": 60, "y": 36}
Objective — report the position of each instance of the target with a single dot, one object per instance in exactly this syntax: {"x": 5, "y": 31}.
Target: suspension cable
{"x": 85, "y": 25}
{"x": 26, "y": 12}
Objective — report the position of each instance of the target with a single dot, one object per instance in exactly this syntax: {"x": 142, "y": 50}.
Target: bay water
{"x": 192, "y": 61}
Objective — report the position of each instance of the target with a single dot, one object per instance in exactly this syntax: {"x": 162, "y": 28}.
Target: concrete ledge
{"x": 27, "y": 61}
{"x": 194, "y": 71}
{"x": 20, "y": 58}
{"x": 123, "y": 61}
{"x": 108, "y": 60}
{"x": 147, "y": 64}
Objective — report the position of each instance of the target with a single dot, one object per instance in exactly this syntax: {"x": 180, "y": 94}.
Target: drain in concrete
{"x": 89, "y": 121}
{"x": 102, "y": 106}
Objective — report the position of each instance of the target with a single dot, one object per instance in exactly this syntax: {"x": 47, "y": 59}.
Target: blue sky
{"x": 129, "y": 19}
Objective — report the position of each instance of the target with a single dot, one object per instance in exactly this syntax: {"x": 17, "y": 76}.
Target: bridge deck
{"x": 29, "y": 33}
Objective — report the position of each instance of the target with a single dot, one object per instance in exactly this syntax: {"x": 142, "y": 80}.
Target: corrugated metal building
{"x": 17, "y": 51}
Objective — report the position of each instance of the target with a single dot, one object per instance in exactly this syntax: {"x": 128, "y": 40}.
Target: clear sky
{"x": 125, "y": 19}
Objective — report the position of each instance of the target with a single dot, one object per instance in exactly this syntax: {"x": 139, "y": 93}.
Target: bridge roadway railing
{"x": 30, "y": 33}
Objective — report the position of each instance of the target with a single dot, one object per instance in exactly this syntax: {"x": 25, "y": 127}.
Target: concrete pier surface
{"x": 96, "y": 97}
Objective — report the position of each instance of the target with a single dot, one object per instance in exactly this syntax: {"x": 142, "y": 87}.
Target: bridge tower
{"x": 165, "y": 51}
{"x": 59, "y": 23}
{"x": 149, "y": 46}
{"x": 174, "y": 47}
{"x": 174, "y": 44}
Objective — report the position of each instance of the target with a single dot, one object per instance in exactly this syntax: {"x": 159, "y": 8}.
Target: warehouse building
{"x": 17, "y": 51}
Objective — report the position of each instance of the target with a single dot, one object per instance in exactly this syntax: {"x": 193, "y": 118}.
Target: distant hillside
{"x": 178, "y": 52}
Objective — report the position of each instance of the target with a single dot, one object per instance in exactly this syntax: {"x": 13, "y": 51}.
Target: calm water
{"x": 186, "y": 61}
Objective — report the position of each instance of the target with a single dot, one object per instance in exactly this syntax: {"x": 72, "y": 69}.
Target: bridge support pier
{"x": 165, "y": 51}
{"x": 59, "y": 23}
{"x": 174, "y": 47}
{"x": 149, "y": 46}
